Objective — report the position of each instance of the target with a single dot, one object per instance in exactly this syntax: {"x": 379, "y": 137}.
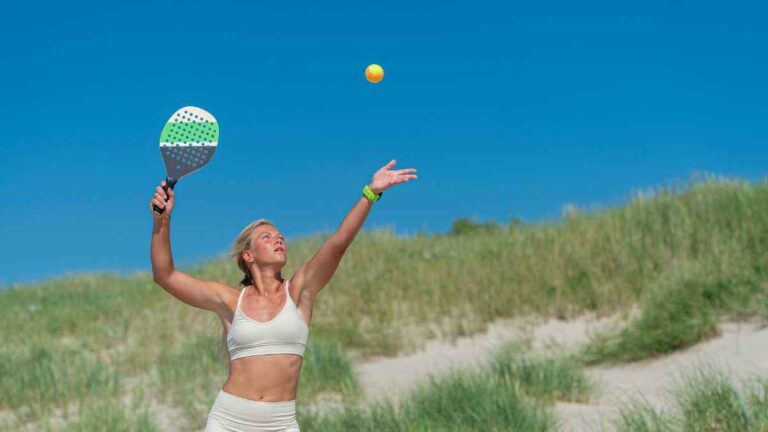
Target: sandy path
{"x": 741, "y": 350}
{"x": 393, "y": 377}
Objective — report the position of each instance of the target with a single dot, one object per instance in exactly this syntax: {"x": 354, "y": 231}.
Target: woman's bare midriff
{"x": 266, "y": 378}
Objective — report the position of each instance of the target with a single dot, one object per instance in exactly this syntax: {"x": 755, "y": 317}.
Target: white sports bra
{"x": 286, "y": 333}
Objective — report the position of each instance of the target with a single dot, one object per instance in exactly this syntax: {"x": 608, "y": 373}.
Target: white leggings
{"x": 231, "y": 413}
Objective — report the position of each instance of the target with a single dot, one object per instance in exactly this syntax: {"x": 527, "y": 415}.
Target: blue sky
{"x": 507, "y": 110}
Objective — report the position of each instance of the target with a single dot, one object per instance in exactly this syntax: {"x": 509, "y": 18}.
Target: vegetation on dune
{"x": 514, "y": 392}
{"x": 705, "y": 400}
{"x": 684, "y": 257}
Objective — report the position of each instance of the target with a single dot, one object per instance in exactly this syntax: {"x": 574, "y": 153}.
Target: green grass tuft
{"x": 640, "y": 416}
{"x": 675, "y": 313}
{"x": 327, "y": 368}
{"x": 681, "y": 308}
{"x": 704, "y": 401}
{"x": 557, "y": 379}
{"x": 513, "y": 393}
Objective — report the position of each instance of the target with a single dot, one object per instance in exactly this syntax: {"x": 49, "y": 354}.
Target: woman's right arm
{"x": 208, "y": 295}
{"x": 162, "y": 261}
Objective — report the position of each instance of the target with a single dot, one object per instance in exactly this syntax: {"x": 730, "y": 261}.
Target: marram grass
{"x": 679, "y": 309}
{"x": 82, "y": 338}
{"x": 513, "y": 392}
{"x": 705, "y": 400}
{"x": 173, "y": 351}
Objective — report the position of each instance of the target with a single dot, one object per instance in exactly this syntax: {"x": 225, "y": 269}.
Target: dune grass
{"x": 38, "y": 377}
{"x": 327, "y": 368}
{"x": 675, "y": 313}
{"x": 129, "y": 411}
{"x": 112, "y": 415}
{"x": 55, "y": 364}
{"x": 602, "y": 261}
{"x": 82, "y": 338}
{"x": 543, "y": 377}
{"x": 680, "y": 309}
{"x": 514, "y": 392}
{"x": 190, "y": 375}
{"x": 704, "y": 401}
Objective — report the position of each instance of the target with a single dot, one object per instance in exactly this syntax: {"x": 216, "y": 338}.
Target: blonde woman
{"x": 267, "y": 319}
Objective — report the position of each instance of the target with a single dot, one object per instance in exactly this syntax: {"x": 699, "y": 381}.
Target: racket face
{"x": 188, "y": 141}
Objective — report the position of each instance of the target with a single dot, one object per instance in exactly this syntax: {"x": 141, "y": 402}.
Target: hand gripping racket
{"x": 187, "y": 144}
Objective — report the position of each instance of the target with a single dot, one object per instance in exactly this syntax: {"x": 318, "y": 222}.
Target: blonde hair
{"x": 243, "y": 243}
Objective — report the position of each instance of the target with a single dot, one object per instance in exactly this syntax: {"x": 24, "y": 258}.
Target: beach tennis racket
{"x": 187, "y": 144}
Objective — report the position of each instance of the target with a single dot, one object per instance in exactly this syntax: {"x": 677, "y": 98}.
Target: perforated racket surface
{"x": 187, "y": 143}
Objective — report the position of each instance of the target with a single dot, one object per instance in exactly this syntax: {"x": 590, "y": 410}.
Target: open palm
{"x": 385, "y": 177}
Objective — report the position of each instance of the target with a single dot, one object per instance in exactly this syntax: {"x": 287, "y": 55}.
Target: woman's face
{"x": 268, "y": 245}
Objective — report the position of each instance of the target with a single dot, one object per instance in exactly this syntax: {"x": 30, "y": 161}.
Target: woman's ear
{"x": 248, "y": 257}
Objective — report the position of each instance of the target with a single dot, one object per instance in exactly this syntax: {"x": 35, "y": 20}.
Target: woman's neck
{"x": 268, "y": 284}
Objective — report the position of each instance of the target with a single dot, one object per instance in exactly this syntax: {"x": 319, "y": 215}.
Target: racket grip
{"x": 170, "y": 182}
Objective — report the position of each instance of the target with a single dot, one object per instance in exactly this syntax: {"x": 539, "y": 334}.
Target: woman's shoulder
{"x": 293, "y": 288}
{"x": 228, "y": 293}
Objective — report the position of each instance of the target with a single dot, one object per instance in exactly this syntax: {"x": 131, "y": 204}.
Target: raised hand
{"x": 385, "y": 177}
{"x": 163, "y": 200}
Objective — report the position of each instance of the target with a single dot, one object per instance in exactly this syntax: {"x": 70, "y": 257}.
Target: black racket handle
{"x": 170, "y": 182}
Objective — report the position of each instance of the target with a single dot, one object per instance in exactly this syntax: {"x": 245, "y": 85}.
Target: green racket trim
{"x": 190, "y": 133}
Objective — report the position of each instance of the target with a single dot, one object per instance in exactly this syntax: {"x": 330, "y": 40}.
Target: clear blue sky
{"x": 506, "y": 110}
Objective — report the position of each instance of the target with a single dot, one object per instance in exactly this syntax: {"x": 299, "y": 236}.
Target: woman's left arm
{"x": 316, "y": 273}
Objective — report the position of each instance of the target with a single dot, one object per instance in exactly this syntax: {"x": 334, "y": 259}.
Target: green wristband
{"x": 368, "y": 193}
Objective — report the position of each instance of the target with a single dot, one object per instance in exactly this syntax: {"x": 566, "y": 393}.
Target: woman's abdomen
{"x": 268, "y": 378}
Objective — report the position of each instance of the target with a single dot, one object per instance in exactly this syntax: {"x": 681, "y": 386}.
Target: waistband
{"x": 254, "y": 414}
{"x": 244, "y": 401}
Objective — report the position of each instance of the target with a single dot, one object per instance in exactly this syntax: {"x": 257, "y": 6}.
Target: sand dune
{"x": 393, "y": 377}
{"x": 741, "y": 350}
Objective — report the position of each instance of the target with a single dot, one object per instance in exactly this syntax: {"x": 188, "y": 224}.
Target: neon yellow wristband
{"x": 368, "y": 193}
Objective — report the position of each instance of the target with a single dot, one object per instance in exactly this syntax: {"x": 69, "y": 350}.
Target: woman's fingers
{"x": 159, "y": 200}
{"x": 405, "y": 171}
{"x": 162, "y": 199}
{"x": 162, "y": 196}
{"x": 389, "y": 165}
{"x": 165, "y": 193}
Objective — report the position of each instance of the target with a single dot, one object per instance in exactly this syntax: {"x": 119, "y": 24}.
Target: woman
{"x": 267, "y": 320}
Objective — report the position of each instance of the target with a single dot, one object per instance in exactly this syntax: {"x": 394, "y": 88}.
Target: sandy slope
{"x": 741, "y": 350}
{"x": 392, "y": 377}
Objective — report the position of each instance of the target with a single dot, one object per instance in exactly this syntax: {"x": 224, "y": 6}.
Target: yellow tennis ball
{"x": 374, "y": 73}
